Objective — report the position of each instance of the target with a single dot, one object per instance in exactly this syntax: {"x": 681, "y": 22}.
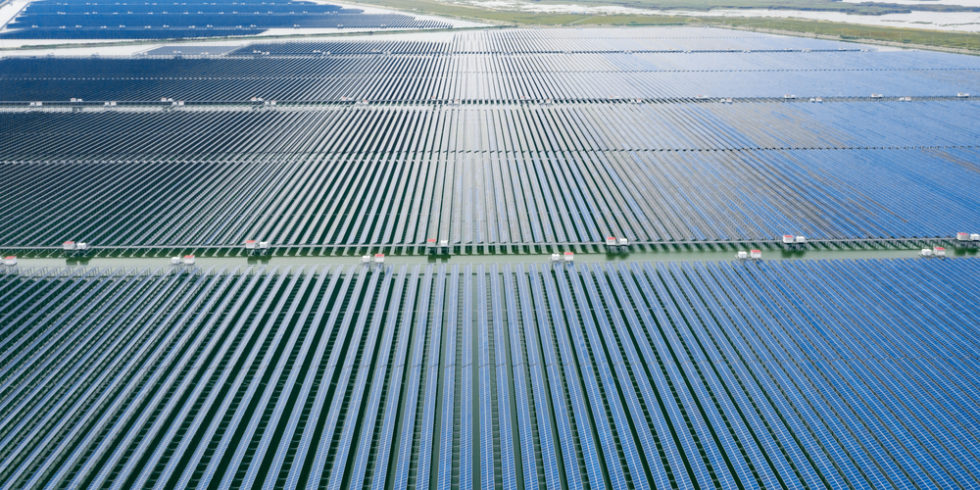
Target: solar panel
{"x": 720, "y": 372}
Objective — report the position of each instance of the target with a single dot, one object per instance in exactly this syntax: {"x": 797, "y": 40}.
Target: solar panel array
{"x": 191, "y": 50}
{"x": 492, "y": 139}
{"x": 622, "y": 374}
{"x": 389, "y": 198}
{"x": 491, "y": 76}
{"x": 59, "y": 19}
{"x": 785, "y": 374}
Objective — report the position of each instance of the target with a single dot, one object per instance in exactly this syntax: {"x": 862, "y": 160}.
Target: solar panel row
{"x": 624, "y": 39}
{"x": 536, "y": 151}
{"x": 50, "y": 19}
{"x": 491, "y": 76}
{"x": 395, "y": 175}
{"x": 795, "y": 374}
{"x": 219, "y": 133}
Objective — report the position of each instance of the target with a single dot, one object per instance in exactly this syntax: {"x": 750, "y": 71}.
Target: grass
{"x": 865, "y": 8}
{"x": 891, "y": 35}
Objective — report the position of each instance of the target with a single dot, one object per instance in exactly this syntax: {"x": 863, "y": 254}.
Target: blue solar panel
{"x": 786, "y": 373}
{"x": 599, "y": 372}
{"x": 431, "y": 368}
{"x": 55, "y": 19}
{"x": 466, "y": 395}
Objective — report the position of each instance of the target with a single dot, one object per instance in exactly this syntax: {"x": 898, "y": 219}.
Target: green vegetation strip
{"x": 967, "y": 42}
{"x": 863, "y": 8}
